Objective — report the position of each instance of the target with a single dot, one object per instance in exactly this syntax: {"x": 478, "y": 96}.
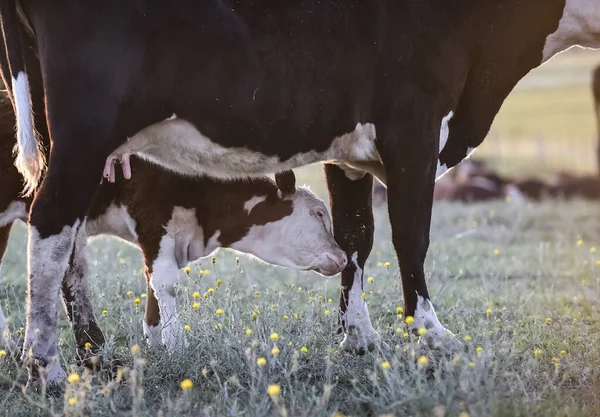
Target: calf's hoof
{"x": 358, "y": 342}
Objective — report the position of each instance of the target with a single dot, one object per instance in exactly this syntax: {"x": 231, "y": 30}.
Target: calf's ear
{"x": 286, "y": 182}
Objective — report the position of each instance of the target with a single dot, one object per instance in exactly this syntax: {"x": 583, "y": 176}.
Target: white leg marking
{"x": 444, "y": 133}
{"x": 30, "y": 160}
{"x": 360, "y": 333}
{"x": 48, "y": 261}
{"x": 164, "y": 278}
{"x": 153, "y": 335}
{"x": 16, "y": 210}
{"x": 426, "y": 318}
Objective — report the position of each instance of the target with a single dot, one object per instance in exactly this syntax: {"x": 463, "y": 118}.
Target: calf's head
{"x": 300, "y": 236}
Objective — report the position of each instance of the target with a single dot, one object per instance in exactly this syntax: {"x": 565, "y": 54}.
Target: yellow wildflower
{"x": 399, "y": 310}
{"x": 187, "y": 328}
{"x": 135, "y": 349}
{"x": 274, "y": 390}
{"x": 219, "y": 282}
{"x": 386, "y": 265}
{"x": 256, "y": 292}
{"x": 2, "y": 353}
{"x": 563, "y": 352}
{"x": 210, "y": 290}
{"x": 196, "y": 294}
{"x": 326, "y": 312}
{"x": 261, "y": 361}
{"x": 496, "y": 251}
{"x": 489, "y": 312}
{"x": 304, "y": 349}
{"x": 286, "y": 317}
{"x": 72, "y": 400}
{"x": 423, "y": 361}
{"x": 363, "y": 295}
{"x": 468, "y": 338}
{"x": 580, "y": 242}
{"x": 370, "y": 279}
{"x": 88, "y": 345}
{"x": 196, "y": 305}
{"x": 275, "y": 351}
{"x": 219, "y": 312}
{"x": 187, "y": 270}
{"x": 409, "y": 320}
{"x": 248, "y": 332}
{"x": 548, "y": 319}
{"x": 137, "y": 301}
{"x": 186, "y": 384}
{"x": 537, "y": 352}
{"x": 73, "y": 378}
{"x": 274, "y": 336}
{"x": 385, "y": 365}
{"x": 422, "y": 331}
{"x": 105, "y": 312}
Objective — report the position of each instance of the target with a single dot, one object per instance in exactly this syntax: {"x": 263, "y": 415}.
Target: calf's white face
{"x": 302, "y": 240}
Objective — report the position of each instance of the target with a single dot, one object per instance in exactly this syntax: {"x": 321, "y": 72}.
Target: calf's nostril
{"x": 344, "y": 260}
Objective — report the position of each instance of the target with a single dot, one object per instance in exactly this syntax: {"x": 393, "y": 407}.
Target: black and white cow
{"x": 229, "y": 88}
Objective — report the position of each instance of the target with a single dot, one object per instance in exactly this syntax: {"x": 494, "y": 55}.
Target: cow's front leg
{"x": 164, "y": 277}
{"x": 409, "y": 151}
{"x": 78, "y": 305}
{"x": 353, "y": 229}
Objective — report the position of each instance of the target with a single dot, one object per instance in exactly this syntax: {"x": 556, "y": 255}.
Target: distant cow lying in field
{"x": 176, "y": 220}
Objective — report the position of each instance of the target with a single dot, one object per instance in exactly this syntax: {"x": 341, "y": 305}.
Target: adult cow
{"x": 272, "y": 85}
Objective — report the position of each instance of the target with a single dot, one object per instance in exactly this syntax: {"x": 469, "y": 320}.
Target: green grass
{"x": 537, "y": 273}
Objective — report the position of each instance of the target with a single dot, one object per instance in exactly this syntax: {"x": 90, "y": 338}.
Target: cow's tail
{"x": 30, "y": 158}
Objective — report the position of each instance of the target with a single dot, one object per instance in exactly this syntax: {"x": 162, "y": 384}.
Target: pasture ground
{"x": 518, "y": 284}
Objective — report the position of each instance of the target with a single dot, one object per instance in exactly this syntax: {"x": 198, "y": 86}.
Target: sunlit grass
{"x": 506, "y": 279}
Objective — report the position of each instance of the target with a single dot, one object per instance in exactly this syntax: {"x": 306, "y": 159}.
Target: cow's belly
{"x": 178, "y": 146}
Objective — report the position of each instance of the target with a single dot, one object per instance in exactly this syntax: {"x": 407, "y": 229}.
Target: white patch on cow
{"x": 164, "y": 278}
{"x": 516, "y": 196}
{"x": 173, "y": 117}
{"x": 250, "y": 204}
{"x": 444, "y": 133}
{"x": 30, "y": 160}
{"x": 360, "y": 334}
{"x": 579, "y": 25}
{"x": 426, "y": 318}
{"x": 48, "y": 263}
{"x": 484, "y": 183}
{"x": 300, "y": 241}
{"x": 153, "y": 335}
{"x": 178, "y": 146}
{"x": 16, "y": 210}
{"x": 115, "y": 221}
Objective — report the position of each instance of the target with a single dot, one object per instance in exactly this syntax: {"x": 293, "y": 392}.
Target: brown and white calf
{"x": 176, "y": 220}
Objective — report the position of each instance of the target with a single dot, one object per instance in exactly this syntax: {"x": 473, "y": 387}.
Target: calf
{"x": 176, "y": 220}
{"x": 262, "y": 87}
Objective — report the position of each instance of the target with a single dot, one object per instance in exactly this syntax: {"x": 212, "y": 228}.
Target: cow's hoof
{"x": 358, "y": 342}
{"x": 53, "y": 377}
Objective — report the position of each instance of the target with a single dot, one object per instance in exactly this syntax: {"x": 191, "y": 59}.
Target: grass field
{"x": 517, "y": 283}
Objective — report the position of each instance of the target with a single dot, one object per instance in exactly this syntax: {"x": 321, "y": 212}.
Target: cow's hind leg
{"x": 78, "y": 304}
{"x": 9, "y": 343}
{"x": 409, "y": 151}
{"x": 351, "y": 206}
{"x": 78, "y": 153}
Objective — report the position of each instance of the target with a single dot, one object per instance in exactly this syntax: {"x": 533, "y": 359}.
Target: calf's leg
{"x": 152, "y": 329}
{"x": 351, "y": 206}
{"x": 164, "y": 277}
{"x": 4, "y": 235}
